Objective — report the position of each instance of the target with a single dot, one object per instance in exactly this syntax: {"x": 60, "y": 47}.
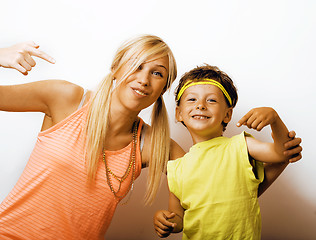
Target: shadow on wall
{"x": 286, "y": 214}
{"x": 134, "y": 220}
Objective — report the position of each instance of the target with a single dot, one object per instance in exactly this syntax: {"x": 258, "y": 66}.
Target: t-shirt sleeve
{"x": 258, "y": 166}
{"x": 173, "y": 180}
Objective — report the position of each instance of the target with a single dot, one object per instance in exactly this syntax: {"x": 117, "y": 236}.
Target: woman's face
{"x": 143, "y": 87}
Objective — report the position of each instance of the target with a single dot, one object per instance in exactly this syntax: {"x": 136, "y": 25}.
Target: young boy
{"x": 214, "y": 187}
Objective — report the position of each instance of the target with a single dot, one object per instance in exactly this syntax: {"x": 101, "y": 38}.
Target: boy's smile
{"x": 202, "y": 109}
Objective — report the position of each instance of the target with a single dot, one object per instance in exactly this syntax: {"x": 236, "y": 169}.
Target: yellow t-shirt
{"x": 217, "y": 187}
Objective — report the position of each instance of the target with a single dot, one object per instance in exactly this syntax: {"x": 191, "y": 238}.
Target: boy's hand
{"x": 19, "y": 56}
{"x": 258, "y": 118}
{"x": 162, "y": 226}
{"x": 293, "y": 148}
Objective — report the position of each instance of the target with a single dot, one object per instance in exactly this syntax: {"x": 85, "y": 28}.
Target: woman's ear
{"x": 228, "y": 115}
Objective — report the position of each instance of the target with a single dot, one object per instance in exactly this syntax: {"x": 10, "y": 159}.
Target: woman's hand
{"x": 19, "y": 56}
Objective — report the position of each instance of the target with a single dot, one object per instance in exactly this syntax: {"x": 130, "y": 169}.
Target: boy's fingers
{"x": 293, "y": 151}
{"x": 243, "y": 120}
{"x": 260, "y": 126}
{"x": 254, "y": 124}
{"x": 162, "y": 230}
{"x": 292, "y": 134}
{"x": 162, "y": 235}
{"x": 171, "y": 215}
{"x": 168, "y": 224}
{"x": 295, "y": 159}
{"x": 161, "y": 226}
{"x": 293, "y": 143}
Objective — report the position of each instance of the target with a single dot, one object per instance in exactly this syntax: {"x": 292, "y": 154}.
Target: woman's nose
{"x": 143, "y": 79}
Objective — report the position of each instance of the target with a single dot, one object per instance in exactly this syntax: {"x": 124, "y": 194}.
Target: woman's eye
{"x": 158, "y": 74}
{"x": 191, "y": 99}
{"x": 211, "y": 100}
{"x": 140, "y": 67}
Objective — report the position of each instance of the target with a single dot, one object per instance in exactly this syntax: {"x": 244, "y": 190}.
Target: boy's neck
{"x": 197, "y": 138}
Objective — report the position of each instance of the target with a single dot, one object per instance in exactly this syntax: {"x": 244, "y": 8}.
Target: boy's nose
{"x": 200, "y": 105}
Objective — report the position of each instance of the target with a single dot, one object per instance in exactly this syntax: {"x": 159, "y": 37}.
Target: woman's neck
{"x": 121, "y": 120}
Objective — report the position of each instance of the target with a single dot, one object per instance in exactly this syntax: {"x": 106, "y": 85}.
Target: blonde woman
{"x": 92, "y": 145}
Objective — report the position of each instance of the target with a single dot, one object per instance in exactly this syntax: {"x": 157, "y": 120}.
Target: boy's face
{"x": 203, "y": 109}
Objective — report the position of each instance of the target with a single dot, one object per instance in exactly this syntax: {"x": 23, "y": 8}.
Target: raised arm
{"x": 274, "y": 170}
{"x": 258, "y": 118}
{"x": 56, "y": 98}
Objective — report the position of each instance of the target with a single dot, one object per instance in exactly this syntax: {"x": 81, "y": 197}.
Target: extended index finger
{"x": 38, "y": 53}
{"x": 244, "y": 119}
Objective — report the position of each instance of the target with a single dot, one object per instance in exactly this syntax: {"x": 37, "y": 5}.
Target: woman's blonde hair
{"x": 134, "y": 52}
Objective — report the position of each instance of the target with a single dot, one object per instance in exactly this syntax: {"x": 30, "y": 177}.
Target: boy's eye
{"x": 211, "y": 100}
{"x": 191, "y": 99}
{"x": 158, "y": 74}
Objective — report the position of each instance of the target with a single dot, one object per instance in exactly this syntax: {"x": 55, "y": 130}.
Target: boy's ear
{"x": 228, "y": 116}
{"x": 178, "y": 114}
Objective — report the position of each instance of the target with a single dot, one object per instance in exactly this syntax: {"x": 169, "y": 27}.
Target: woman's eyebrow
{"x": 162, "y": 66}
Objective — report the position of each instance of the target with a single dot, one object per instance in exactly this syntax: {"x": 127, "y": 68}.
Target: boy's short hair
{"x": 211, "y": 72}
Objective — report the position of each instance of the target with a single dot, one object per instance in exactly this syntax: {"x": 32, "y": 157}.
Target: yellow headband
{"x": 208, "y": 81}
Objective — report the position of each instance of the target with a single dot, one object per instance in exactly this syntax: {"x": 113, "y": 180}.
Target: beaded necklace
{"x": 132, "y": 164}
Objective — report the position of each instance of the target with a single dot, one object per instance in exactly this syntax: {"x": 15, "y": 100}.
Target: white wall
{"x": 267, "y": 47}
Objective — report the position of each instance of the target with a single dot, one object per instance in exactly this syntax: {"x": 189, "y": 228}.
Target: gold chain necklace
{"x": 132, "y": 164}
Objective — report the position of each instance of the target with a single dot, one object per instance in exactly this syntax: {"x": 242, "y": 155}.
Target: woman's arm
{"x": 57, "y": 99}
{"x": 175, "y": 150}
{"x": 41, "y": 96}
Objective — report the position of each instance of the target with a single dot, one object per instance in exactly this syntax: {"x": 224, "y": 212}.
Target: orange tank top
{"x": 52, "y": 199}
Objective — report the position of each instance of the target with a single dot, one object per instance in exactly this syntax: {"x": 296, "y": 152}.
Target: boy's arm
{"x": 258, "y": 118}
{"x": 274, "y": 170}
{"x": 176, "y": 208}
{"x": 271, "y": 172}
{"x": 171, "y": 221}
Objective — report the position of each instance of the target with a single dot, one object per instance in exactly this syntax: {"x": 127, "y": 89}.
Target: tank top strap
{"x": 142, "y": 136}
{"x": 82, "y": 99}
{"x": 140, "y": 132}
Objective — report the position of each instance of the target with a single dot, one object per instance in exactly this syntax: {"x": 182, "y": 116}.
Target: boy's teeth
{"x": 200, "y": 117}
{"x": 139, "y": 92}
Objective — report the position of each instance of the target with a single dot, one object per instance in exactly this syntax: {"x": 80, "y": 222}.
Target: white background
{"x": 267, "y": 47}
